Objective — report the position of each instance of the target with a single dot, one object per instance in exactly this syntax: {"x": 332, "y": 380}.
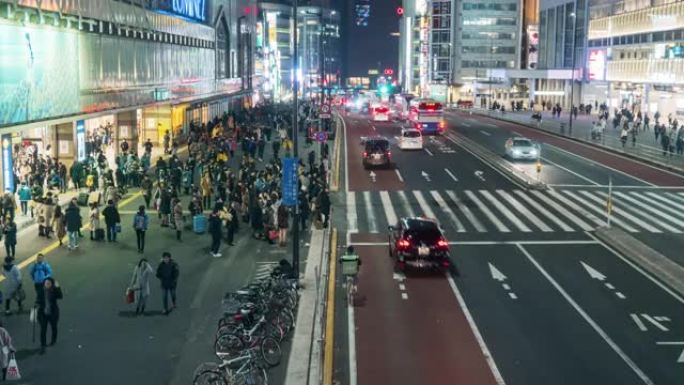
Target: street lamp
{"x": 574, "y": 57}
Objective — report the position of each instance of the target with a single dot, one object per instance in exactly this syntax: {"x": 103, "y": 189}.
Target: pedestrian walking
{"x": 12, "y": 288}
{"x": 205, "y": 188}
{"x": 168, "y": 273}
{"x": 112, "y": 220}
{"x": 40, "y": 271}
{"x": 624, "y": 134}
{"x": 72, "y": 216}
{"x": 214, "y": 230}
{"x": 140, "y": 284}
{"x": 178, "y": 218}
{"x": 7, "y": 350}
{"x": 283, "y": 224}
{"x": 140, "y": 223}
{"x": 146, "y": 188}
{"x": 94, "y": 219}
{"x": 59, "y": 224}
{"x": 48, "y": 311}
{"x": 10, "y": 238}
{"x": 24, "y": 197}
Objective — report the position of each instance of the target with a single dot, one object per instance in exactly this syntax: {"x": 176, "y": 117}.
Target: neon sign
{"x": 192, "y": 9}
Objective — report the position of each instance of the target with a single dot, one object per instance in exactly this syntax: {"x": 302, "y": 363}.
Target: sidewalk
{"x": 647, "y": 148}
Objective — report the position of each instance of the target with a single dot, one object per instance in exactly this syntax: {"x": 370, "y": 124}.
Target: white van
{"x": 410, "y": 139}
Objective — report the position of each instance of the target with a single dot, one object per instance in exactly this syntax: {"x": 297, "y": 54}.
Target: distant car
{"x": 419, "y": 243}
{"x": 376, "y": 152}
{"x": 519, "y": 148}
{"x": 411, "y": 139}
{"x": 380, "y": 113}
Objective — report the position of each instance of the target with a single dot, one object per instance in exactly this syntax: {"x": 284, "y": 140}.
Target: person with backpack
{"x": 40, "y": 271}
{"x": 140, "y": 223}
{"x": 167, "y": 273}
{"x": 112, "y": 219}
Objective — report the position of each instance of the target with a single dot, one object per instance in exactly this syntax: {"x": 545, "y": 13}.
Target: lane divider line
{"x": 328, "y": 354}
{"x": 401, "y": 179}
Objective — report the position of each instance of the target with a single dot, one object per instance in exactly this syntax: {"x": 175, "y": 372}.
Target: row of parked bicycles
{"x": 256, "y": 320}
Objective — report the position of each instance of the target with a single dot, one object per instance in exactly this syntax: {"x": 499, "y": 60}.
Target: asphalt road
{"x": 539, "y": 299}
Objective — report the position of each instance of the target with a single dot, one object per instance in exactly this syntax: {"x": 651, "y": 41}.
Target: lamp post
{"x": 574, "y": 57}
{"x": 295, "y": 134}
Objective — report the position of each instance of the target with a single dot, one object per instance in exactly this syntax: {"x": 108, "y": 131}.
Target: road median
{"x": 657, "y": 264}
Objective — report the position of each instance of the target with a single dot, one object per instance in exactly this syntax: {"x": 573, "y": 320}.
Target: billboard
{"x": 596, "y": 64}
{"x": 532, "y": 46}
{"x": 7, "y": 164}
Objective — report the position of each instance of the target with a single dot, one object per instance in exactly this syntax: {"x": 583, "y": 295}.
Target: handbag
{"x": 33, "y": 315}
{"x": 117, "y": 227}
{"x": 13, "y": 369}
{"x": 20, "y": 294}
{"x": 130, "y": 296}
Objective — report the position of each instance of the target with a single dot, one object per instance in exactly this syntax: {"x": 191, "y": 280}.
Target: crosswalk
{"x": 510, "y": 211}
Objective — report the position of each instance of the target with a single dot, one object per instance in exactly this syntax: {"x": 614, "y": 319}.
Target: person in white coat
{"x": 12, "y": 289}
{"x": 140, "y": 284}
{"x": 6, "y": 350}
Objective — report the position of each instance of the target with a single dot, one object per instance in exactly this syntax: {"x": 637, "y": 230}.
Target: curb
{"x": 671, "y": 273}
{"x": 650, "y": 162}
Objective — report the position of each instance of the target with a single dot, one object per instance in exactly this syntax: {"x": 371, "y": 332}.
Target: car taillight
{"x": 445, "y": 263}
{"x": 365, "y": 154}
{"x": 442, "y": 125}
{"x": 388, "y": 153}
{"x": 403, "y": 244}
{"x": 442, "y": 244}
{"x": 237, "y": 317}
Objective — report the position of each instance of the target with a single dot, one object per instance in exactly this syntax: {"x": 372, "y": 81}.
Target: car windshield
{"x": 522, "y": 143}
{"x": 411, "y": 134}
{"x": 377, "y": 146}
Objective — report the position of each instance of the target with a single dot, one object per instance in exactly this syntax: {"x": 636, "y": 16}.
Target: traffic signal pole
{"x": 295, "y": 135}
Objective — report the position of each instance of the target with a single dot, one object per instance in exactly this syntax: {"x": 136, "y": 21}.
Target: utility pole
{"x": 574, "y": 57}
{"x": 295, "y": 135}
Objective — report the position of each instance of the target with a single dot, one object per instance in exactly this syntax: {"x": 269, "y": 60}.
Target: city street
{"x": 539, "y": 298}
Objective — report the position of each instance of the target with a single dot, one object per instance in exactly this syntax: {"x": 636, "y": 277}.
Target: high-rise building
{"x": 362, "y": 9}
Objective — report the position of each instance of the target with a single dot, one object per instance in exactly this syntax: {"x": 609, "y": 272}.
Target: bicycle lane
{"x": 643, "y": 171}
{"x": 418, "y": 335}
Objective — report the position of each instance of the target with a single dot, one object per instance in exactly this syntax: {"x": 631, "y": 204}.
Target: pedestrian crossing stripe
{"x": 264, "y": 269}
{"x": 519, "y": 211}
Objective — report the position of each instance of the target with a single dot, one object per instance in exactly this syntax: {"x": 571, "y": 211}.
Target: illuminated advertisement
{"x": 596, "y": 65}
{"x": 532, "y": 46}
{"x": 7, "y": 165}
{"x": 80, "y": 140}
{"x": 423, "y": 55}
{"x": 192, "y": 9}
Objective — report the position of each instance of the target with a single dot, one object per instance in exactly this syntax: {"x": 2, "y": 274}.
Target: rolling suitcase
{"x": 99, "y": 235}
{"x": 82, "y": 199}
{"x": 94, "y": 197}
{"x": 199, "y": 224}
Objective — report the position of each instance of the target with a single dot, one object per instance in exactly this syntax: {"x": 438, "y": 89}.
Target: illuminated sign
{"x": 192, "y": 9}
{"x": 80, "y": 140}
{"x": 597, "y": 64}
{"x": 532, "y": 46}
{"x": 7, "y": 166}
{"x": 373, "y": 72}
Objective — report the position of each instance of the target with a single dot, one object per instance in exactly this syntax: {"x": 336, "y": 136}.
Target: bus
{"x": 427, "y": 115}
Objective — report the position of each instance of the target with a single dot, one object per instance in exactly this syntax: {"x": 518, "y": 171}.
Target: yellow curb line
{"x": 336, "y": 172}
{"x": 330, "y": 314}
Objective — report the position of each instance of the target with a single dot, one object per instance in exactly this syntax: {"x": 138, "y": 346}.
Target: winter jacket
{"x": 49, "y": 297}
{"x": 24, "y": 193}
{"x": 11, "y": 234}
{"x": 141, "y": 221}
{"x": 140, "y": 282}
{"x": 72, "y": 217}
{"x": 12, "y": 279}
{"x": 168, "y": 274}
{"x": 214, "y": 225}
{"x": 111, "y": 215}
{"x": 40, "y": 271}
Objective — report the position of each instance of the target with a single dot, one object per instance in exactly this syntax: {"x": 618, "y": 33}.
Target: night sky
{"x": 371, "y": 46}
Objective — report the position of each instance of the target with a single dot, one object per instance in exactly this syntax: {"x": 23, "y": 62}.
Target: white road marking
{"x": 561, "y": 210}
{"x": 619, "y": 210}
{"x": 476, "y": 332}
{"x": 662, "y": 318}
{"x": 487, "y": 212}
{"x": 620, "y": 295}
{"x": 372, "y": 224}
{"x": 680, "y": 359}
{"x": 427, "y": 211}
{"x": 662, "y": 203}
{"x": 505, "y": 211}
{"x": 451, "y": 175}
{"x": 389, "y": 209}
{"x": 404, "y": 296}
{"x": 428, "y": 151}
{"x": 676, "y": 196}
{"x": 442, "y": 204}
{"x": 543, "y": 211}
{"x": 638, "y": 322}
{"x": 571, "y": 172}
{"x": 658, "y": 213}
{"x": 466, "y": 211}
{"x": 351, "y": 344}
{"x": 405, "y": 202}
{"x": 524, "y": 211}
{"x": 506, "y": 286}
{"x": 485, "y": 133}
{"x": 654, "y": 322}
{"x": 396, "y": 171}
{"x": 352, "y": 217}
{"x": 644, "y": 378}
{"x": 512, "y": 295}
{"x": 402, "y": 287}
{"x": 581, "y": 209}
{"x": 609, "y": 285}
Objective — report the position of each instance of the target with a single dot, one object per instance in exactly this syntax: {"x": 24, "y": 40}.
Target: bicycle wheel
{"x": 228, "y": 343}
{"x": 210, "y": 377}
{"x": 270, "y": 350}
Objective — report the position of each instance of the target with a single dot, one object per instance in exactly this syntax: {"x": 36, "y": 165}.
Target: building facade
{"x": 141, "y": 67}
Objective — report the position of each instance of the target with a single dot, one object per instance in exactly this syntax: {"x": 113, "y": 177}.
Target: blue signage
{"x": 191, "y": 9}
{"x": 80, "y": 140}
{"x": 290, "y": 182}
{"x": 7, "y": 163}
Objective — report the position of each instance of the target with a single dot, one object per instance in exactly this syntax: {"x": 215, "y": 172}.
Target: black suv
{"x": 419, "y": 243}
{"x": 376, "y": 152}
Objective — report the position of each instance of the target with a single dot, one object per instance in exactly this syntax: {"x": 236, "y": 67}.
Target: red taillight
{"x": 442, "y": 244}
{"x": 237, "y": 317}
{"x": 365, "y": 154}
{"x": 389, "y": 153}
{"x": 445, "y": 263}
{"x": 442, "y": 125}
{"x": 403, "y": 244}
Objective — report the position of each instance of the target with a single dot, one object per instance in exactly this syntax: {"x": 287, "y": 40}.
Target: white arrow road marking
{"x": 425, "y": 175}
{"x": 451, "y": 175}
{"x": 496, "y": 273}
{"x": 654, "y": 322}
{"x": 593, "y": 273}
{"x": 401, "y": 179}
{"x": 680, "y": 360}
{"x": 638, "y": 322}
{"x": 372, "y": 176}
{"x": 480, "y": 175}
{"x": 485, "y": 133}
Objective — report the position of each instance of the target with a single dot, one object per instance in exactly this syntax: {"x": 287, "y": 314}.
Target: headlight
{"x": 533, "y": 152}
{"x": 516, "y": 151}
